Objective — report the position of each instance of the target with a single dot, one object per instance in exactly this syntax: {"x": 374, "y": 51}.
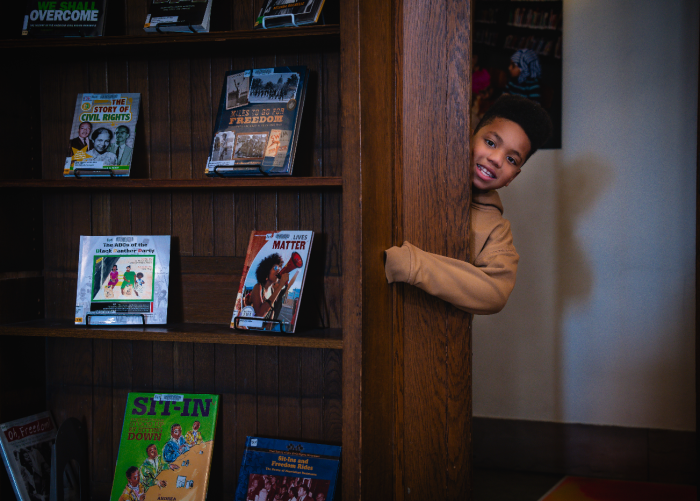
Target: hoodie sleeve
{"x": 481, "y": 288}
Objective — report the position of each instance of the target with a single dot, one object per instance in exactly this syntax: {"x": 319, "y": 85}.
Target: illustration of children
{"x": 138, "y": 283}
{"x": 128, "y": 282}
{"x": 113, "y": 280}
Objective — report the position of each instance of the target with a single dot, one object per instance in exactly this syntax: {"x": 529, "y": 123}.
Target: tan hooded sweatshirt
{"x": 481, "y": 286}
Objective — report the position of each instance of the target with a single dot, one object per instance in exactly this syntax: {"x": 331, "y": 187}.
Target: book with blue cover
{"x": 257, "y": 124}
{"x": 287, "y": 469}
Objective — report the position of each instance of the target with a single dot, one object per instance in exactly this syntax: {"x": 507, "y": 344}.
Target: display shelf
{"x": 173, "y": 184}
{"x": 179, "y": 39}
{"x": 182, "y": 333}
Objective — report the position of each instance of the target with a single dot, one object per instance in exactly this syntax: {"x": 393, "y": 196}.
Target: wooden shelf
{"x": 156, "y": 39}
{"x": 173, "y": 184}
{"x": 184, "y": 333}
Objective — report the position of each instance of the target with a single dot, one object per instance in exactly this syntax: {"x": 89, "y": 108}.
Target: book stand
{"x": 140, "y": 316}
{"x": 266, "y": 324}
{"x": 215, "y": 170}
{"x": 70, "y": 450}
{"x": 277, "y": 17}
{"x": 159, "y": 26}
{"x": 96, "y": 172}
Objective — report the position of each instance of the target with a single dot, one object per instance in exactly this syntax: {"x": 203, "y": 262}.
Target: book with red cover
{"x": 273, "y": 280}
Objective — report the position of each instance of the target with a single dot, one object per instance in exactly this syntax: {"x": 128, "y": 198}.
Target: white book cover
{"x": 26, "y": 451}
{"x": 123, "y": 279}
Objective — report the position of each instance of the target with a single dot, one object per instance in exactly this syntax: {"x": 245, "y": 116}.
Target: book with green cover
{"x": 166, "y": 447}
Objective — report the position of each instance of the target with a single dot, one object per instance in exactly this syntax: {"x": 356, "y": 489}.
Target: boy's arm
{"x": 482, "y": 288}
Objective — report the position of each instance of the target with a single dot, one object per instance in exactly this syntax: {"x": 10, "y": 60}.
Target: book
{"x": 64, "y": 19}
{"x": 273, "y": 279}
{"x": 286, "y": 469}
{"x": 180, "y": 16}
{"x": 166, "y": 446}
{"x": 257, "y": 123}
{"x": 102, "y": 135}
{"x": 26, "y": 451}
{"x": 123, "y": 279}
{"x": 278, "y": 13}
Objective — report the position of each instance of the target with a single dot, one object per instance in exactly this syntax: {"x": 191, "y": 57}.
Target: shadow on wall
{"x": 578, "y": 185}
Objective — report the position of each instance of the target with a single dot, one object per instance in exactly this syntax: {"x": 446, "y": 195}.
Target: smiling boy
{"x": 506, "y": 137}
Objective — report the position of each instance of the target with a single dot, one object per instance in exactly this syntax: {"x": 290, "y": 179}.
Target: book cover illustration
{"x": 277, "y": 13}
{"x": 26, "y": 451}
{"x": 102, "y": 135}
{"x": 257, "y": 122}
{"x": 64, "y": 19}
{"x": 273, "y": 278}
{"x": 123, "y": 280}
{"x": 166, "y": 447}
{"x": 179, "y": 16}
{"x": 283, "y": 470}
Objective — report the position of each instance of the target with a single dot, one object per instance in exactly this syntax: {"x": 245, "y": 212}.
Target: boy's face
{"x": 499, "y": 150}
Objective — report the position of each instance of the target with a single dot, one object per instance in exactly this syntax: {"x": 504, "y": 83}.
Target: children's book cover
{"x": 123, "y": 279}
{"x": 166, "y": 447}
{"x": 102, "y": 135}
{"x": 64, "y": 19}
{"x": 180, "y": 16}
{"x": 257, "y": 123}
{"x": 283, "y": 470}
{"x": 273, "y": 278}
{"x": 277, "y": 13}
{"x": 26, "y": 451}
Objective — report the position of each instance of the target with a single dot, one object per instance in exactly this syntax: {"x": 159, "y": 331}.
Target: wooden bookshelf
{"x": 173, "y": 184}
{"x": 178, "y": 333}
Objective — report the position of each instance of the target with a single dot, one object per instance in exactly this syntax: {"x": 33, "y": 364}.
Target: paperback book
{"x": 26, "y": 451}
{"x": 102, "y": 135}
{"x": 123, "y": 280}
{"x": 180, "y": 16}
{"x": 166, "y": 447}
{"x": 282, "y": 469}
{"x": 273, "y": 279}
{"x": 64, "y": 19}
{"x": 257, "y": 123}
{"x": 277, "y": 13}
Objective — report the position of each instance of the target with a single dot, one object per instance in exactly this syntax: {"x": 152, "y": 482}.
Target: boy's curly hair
{"x": 263, "y": 269}
{"x": 528, "y": 114}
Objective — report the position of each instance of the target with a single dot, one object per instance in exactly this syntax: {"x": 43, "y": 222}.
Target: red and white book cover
{"x": 273, "y": 280}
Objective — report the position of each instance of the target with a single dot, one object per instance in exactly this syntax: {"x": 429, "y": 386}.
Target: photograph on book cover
{"x": 250, "y": 146}
{"x": 518, "y": 50}
{"x": 269, "y": 87}
{"x": 281, "y": 488}
{"x": 102, "y": 134}
{"x": 237, "y": 90}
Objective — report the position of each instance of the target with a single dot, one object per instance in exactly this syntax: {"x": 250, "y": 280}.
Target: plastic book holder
{"x": 141, "y": 316}
{"x": 278, "y": 16}
{"x": 216, "y": 172}
{"x": 99, "y": 172}
{"x": 263, "y": 321}
{"x": 160, "y": 25}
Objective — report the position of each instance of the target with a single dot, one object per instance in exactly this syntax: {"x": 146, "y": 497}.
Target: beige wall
{"x": 600, "y": 327}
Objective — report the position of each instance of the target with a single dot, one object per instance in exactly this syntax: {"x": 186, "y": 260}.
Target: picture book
{"x": 273, "y": 278}
{"x": 123, "y": 280}
{"x": 26, "y": 451}
{"x": 64, "y": 19}
{"x": 182, "y": 16}
{"x": 257, "y": 124}
{"x": 166, "y": 447}
{"x": 102, "y": 135}
{"x": 283, "y": 469}
{"x": 277, "y": 13}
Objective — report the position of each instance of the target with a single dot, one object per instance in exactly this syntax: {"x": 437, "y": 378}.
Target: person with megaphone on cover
{"x": 273, "y": 280}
